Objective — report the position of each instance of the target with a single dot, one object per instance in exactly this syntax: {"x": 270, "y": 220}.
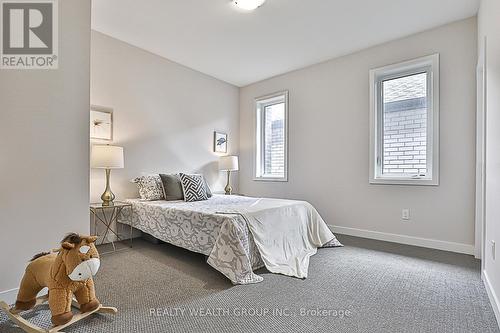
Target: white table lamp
{"x": 228, "y": 163}
{"x": 107, "y": 157}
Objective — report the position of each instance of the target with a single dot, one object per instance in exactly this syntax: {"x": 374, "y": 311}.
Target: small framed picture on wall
{"x": 101, "y": 123}
{"x": 220, "y": 142}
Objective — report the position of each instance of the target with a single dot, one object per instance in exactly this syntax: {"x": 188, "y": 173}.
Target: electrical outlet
{"x": 405, "y": 214}
{"x": 493, "y": 249}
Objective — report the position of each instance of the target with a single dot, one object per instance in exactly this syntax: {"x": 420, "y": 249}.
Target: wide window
{"x": 271, "y": 137}
{"x": 404, "y": 123}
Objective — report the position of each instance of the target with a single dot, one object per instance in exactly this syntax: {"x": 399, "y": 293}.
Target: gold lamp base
{"x": 228, "y": 188}
{"x": 107, "y": 197}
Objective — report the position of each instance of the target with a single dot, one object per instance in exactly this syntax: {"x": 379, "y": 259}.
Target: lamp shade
{"x": 228, "y": 163}
{"x": 106, "y": 157}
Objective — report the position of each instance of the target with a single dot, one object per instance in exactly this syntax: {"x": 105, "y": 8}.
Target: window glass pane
{"x": 405, "y": 125}
{"x": 274, "y": 140}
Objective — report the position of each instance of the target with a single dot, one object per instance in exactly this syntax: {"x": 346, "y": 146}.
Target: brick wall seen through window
{"x": 405, "y": 125}
{"x": 274, "y": 140}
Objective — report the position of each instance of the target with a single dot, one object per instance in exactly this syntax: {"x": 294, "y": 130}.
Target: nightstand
{"x": 108, "y": 216}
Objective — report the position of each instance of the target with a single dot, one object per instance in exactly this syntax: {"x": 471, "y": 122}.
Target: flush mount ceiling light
{"x": 248, "y": 4}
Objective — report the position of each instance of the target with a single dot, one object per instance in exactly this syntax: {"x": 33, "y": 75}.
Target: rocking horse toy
{"x": 66, "y": 272}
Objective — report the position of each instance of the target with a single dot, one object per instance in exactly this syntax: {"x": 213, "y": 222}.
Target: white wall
{"x": 489, "y": 26}
{"x": 329, "y": 136}
{"x": 164, "y": 115}
{"x": 44, "y": 149}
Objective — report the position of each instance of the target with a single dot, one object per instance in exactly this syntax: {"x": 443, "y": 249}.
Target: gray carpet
{"x": 367, "y": 286}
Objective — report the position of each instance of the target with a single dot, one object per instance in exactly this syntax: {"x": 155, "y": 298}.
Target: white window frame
{"x": 260, "y": 104}
{"x": 429, "y": 64}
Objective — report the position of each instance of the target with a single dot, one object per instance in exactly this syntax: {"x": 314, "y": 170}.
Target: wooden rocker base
{"x": 32, "y": 328}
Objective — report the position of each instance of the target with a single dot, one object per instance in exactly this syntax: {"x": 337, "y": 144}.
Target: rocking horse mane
{"x": 38, "y": 255}
{"x": 72, "y": 238}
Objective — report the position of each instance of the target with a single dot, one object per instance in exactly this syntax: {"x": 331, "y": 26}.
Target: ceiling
{"x": 215, "y": 38}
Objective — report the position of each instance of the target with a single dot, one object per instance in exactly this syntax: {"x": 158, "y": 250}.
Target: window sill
{"x": 404, "y": 181}
{"x": 262, "y": 179}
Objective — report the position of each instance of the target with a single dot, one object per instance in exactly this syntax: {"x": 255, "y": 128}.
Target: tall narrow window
{"x": 404, "y": 123}
{"x": 271, "y": 137}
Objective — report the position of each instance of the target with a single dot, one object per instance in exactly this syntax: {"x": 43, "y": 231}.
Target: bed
{"x": 238, "y": 234}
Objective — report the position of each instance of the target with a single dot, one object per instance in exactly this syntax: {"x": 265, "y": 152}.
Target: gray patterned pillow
{"x": 193, "y": 187}
{"x": 150, "y": 187}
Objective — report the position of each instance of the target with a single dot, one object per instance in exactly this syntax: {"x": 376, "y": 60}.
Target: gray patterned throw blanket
{"x": 238, "y": 234}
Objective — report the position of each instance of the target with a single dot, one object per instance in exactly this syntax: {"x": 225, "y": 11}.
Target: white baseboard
{"x": 491, "y": 295}
{"x": 408, "y": 240}
{"x": 9, "y": 296}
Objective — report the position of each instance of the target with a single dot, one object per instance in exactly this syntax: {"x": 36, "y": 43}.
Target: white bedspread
{"x": 238, "y": 234}
{"x": 287, "y": 233}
